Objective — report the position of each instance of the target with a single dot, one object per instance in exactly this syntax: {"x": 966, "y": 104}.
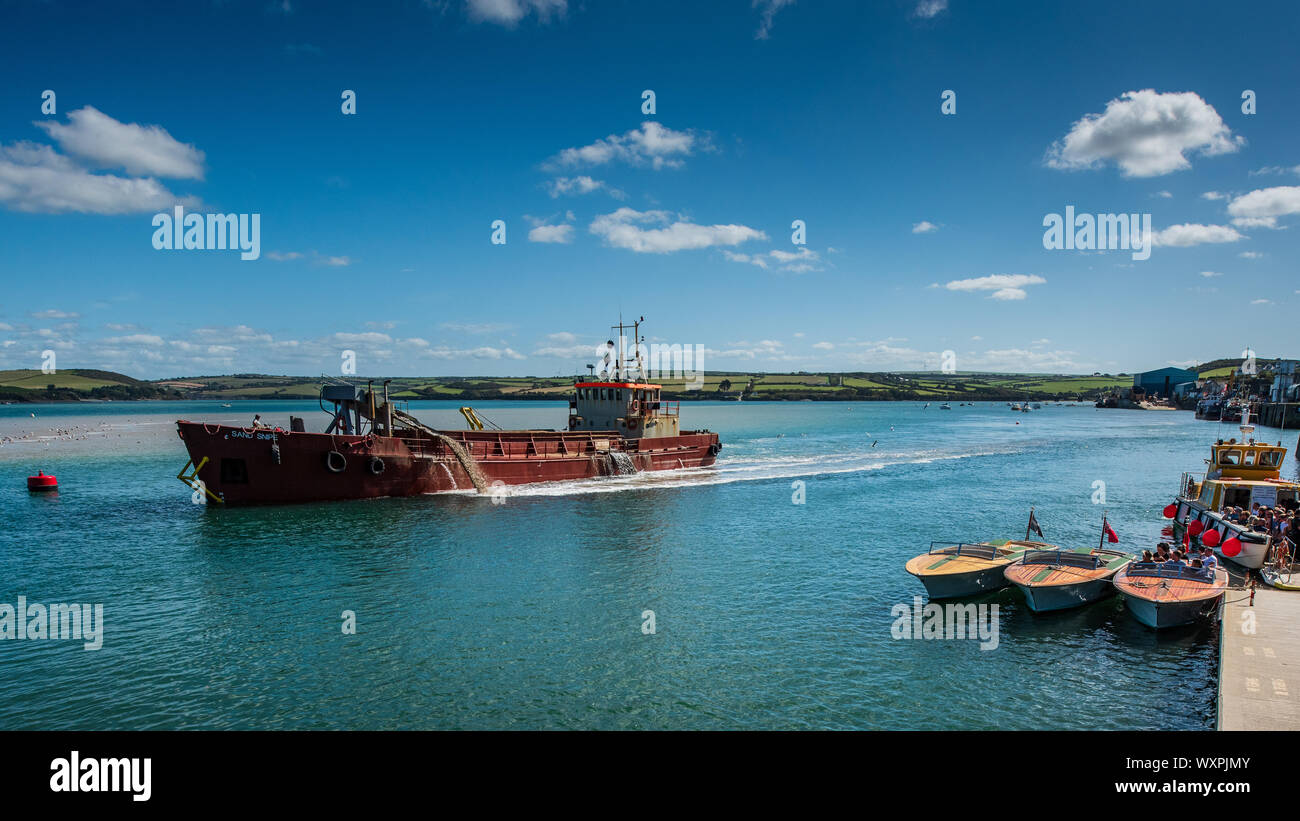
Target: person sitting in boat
{"x": 258, "y": 424}
{"x": 1147, "y": 557}
{"x": 1162, "y": 552}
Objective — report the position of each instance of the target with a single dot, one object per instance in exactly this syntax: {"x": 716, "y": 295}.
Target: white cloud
{"x": 54, "y": 314}
{"x": 651, "y": 143}
{"x": 36, "y": 178}
{"x": 1208, "y": 274}
{"x": 1146, "y": 134}
{"x": 562, "y": 233}
{"x": 150, "y": 340}
{"x": 1261, "y": 302}
{"x": 317, "y": 258}
{"x": 1213, "y": 195}
{"x": 567, "y": 351}
{"x": 623, "y": 229}
{"x": 510, "y": 12}
{"x": 1165, "y": 195}
{"x": 476, "y": 327}
{"x": 799, "y": 262}
{"x": 824, "y": 346}
{"x": 1251, "y": 255}
{"x": 768, "y": 10}
{"x": 138, "y": 150}
{"x": 924, "y": 227}
{"x": 1188, "y": 234}
{"x": 582, "y": 184}
{"x": 1003, "y": 286}
{"x": 928, "y": 9}
{"x": 1262, "y": 207}
{"x": 1276, "y": 169}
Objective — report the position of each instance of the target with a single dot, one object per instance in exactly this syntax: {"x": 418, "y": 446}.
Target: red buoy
{"x": 41, "y": 482}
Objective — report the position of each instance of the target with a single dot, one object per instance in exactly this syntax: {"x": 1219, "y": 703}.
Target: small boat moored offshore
{"x": 1162, "y": 596}
{"x": 950, "y": 570}
{"x": 1059, "y": 578}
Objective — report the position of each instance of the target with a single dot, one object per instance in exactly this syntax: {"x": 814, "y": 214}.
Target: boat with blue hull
{"x": 1164, "y": 594}
{"x": 954, "y": 569}
{"x": 1062, "y": 578}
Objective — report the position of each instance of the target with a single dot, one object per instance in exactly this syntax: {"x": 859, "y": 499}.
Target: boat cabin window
{"x": 1237, "y": 497}
{"x": 1229, "y": 457}
{"x": 1207, "y": 494}
{"x": 1249, "y": 458}
{"x": 620, "y": 396}
{"x": 1271, "y": 458}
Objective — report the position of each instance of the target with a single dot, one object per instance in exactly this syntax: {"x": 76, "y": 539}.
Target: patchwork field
{"x": 72, "y": 384}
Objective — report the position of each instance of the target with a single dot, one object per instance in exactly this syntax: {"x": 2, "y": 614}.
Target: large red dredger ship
{"x": 372, "y": 448}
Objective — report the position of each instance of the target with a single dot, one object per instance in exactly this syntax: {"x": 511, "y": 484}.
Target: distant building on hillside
{"x": 1286, "y": 377}
{"x": 1161, "y": 382}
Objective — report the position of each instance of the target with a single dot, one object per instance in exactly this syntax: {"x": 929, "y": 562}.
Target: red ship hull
{"x": 246, "y": 466}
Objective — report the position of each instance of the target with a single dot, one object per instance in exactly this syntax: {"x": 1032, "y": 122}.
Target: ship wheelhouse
{"x": 633, "y": 409}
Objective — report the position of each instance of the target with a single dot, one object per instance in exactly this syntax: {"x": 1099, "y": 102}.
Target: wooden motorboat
{"x": 1167, "y": 594}
{"x": 1058, "y": 578}
{"x": 951, "y": 569}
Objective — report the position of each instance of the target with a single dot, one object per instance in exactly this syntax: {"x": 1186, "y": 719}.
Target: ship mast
{"x": 619, "y": 364}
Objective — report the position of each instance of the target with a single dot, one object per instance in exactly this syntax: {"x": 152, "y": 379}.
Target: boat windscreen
{"x": 1164, "y": 570}
{"x": 975, "y": 551}
{"x": 1063, "y": 558}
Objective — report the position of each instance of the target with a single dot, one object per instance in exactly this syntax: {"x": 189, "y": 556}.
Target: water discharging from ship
{"x": 622, "y": 463}
{"x": 450, "y": 476}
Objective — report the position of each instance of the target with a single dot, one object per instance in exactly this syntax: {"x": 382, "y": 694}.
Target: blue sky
{"x": 924, "y": 230}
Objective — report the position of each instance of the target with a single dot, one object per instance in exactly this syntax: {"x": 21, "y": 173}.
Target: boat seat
{"x": 1064, "y": 558}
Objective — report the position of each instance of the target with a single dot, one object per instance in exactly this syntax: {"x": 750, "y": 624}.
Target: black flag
{"x": 1033, "y": 524}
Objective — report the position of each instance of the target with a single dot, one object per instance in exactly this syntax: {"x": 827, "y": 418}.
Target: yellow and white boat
{"x": 1238, "y": 474}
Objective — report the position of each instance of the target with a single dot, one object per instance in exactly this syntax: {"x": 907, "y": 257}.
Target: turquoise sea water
{"x": 528, "y": 614}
